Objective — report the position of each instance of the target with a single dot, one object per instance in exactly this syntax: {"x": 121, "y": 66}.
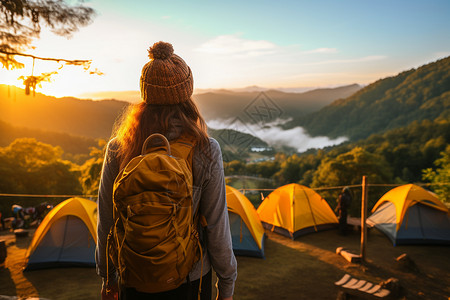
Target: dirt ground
{"x": 305, "y": 268}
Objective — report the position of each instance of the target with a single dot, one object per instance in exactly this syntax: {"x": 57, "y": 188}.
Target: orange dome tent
{"x": 409, "y": 214}
{"x": 247, "y": 232}
{"x": 66, "y": 237}
{"x": 294, "y": 210}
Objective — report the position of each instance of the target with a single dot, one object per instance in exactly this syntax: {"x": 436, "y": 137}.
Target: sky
{"x": 235, "y": 44}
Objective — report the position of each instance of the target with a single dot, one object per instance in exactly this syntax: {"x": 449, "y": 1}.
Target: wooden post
{"x": 3, "y": 252}
{"x": 363, "y": 219}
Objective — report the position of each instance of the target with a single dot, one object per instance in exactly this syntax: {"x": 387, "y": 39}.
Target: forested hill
{"x": 69, "y": 143}
{"x": 88, "y": 118}
{"x": 95, "y": 119}
{"x": 225, "y": 104}
{"x": 393, "y": 102}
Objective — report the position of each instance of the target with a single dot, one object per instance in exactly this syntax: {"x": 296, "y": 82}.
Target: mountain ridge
{"x": 233, "y": 104}
{"x": 133, "y": 96}
{"x": 392, "y": 102}
{"x": 95, "y": 118}
{"x": 88, "y": 118}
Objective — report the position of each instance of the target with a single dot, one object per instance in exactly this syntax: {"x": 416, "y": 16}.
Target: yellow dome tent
{"x": 294, "y": 210}
{"x": 66, "y": 237}
{"x": 409, "y": 214}
{"x": 247, "y": 232}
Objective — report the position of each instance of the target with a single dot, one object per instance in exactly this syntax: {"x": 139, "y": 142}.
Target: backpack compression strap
{"x": 183, "y": 147}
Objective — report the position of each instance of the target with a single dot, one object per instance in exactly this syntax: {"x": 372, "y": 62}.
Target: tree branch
{"x": 77, "y": 61}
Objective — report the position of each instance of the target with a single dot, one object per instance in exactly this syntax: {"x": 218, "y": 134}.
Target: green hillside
{"x": 235, "y": 144}
{"x": 397, "y": 156}
{"x": 74, "y": 116}
{"x": 71, "y": 145}
{"x": 95, "y": 119}
{"x": 408, "y": 150}
{"x": 224, "y": 104}
{"x": 393, "y": 102}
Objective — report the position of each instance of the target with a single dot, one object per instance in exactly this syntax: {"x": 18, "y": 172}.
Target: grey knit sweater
{"x": 209, "y": 192}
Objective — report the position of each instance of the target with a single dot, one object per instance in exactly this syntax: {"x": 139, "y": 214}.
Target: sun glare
{"x": 36, "y": 68}
{"x": 61, "y": 80}
{"x": 10, "y": 77}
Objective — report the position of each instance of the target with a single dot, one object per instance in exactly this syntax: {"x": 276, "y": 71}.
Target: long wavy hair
{"x": 142, "y": 119}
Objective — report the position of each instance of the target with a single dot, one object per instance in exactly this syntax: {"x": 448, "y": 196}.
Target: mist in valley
{"x": 275, "y": 136}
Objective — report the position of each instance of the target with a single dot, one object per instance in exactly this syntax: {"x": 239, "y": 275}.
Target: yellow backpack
{"x": 154, "y": 242}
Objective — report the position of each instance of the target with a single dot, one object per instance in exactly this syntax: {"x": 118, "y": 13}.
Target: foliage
{"x": 21, "y": 23}
{"x": 29, "y": 166}
{"x": 294, "y": 168}
{"x": 91, "y": 170}
{"x": 76, "y": 148}
{"x": 84, "y": 118}
{"x": 389, "y": 103}
{"x": 410, "y": 149}
{"x": 441, "y": 176}
{"x": 396, "y": 157}
{"x": 264, "y": 169}
{"x": 235, "y": 144}
{"x": 240, "y": 105}
{"x": 31, "y": 82}
{"x": 234, "y": 167}
{"x": 22, "y": 20}
{"x": 348, "y": 169}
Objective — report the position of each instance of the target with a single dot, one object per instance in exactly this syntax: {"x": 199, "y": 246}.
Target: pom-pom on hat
{"x": 166, "y": 78}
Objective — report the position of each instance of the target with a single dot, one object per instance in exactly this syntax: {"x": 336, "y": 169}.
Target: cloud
{"x": 275, "y": 136}
{"x": 235, "y": 45}
{"x": 348, "y": 61}
{"x": 321, "y": 51}
{"x": 297, "y": 138}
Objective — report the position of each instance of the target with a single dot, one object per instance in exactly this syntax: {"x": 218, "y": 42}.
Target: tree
{"x": 21, "y": 22}
{"x": 348, "y": 169}
{"x": 28, "y": 166}
{"x": 441, "y": 176}
{"x": 289, "y": 170}
{"x": 91, "y": 170}
{"x": 297, "y": 169}
{"x": 234, "y": 167}
{"x": 264, "y": 169}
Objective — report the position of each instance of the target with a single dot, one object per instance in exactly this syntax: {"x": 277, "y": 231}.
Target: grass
{"x": 302, "y": 269}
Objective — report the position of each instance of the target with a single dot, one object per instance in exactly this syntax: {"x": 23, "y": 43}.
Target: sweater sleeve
{"x": 213, "y": 207}
{"x": 104, "y": 211}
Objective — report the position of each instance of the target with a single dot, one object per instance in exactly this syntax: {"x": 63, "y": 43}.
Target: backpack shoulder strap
{"x": 183, "y": 148}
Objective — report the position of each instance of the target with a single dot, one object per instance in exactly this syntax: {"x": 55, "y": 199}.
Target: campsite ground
{"x": 302, "y": 269}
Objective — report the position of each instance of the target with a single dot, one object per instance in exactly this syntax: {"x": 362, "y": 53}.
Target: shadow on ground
{"x": 305, "y": 268}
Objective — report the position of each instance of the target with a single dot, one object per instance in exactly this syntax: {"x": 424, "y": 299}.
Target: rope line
{"x": 357, "y": 186}
{"x": 47, "y": 196}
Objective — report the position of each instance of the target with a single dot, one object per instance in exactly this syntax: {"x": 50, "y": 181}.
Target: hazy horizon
{"x": 134, "y": 95}
{"x": 269, "y": 132}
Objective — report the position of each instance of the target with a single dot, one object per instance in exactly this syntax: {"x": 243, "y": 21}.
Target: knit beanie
{"x": 166, "y": 78}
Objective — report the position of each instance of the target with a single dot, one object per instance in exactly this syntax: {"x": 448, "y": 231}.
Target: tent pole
{"x": 363, "y": 218}
{"x": 293, "y": 213}
{"x": 310, "y": 208}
